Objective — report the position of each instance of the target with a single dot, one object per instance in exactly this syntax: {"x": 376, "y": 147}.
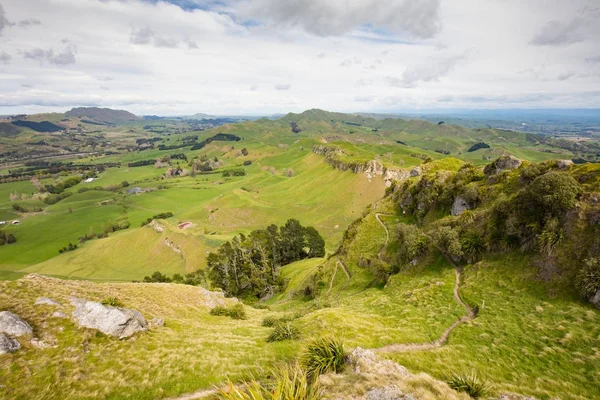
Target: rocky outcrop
{"x": 365, "y": 361}
{"x": 214, "y": 299}
{"x": 8, "y": 345}
{"x": 564, "y": 164}
{"x": 502, "y": 163}
{"x": 595, "y": 300}
{"x": 13, "y": 325}
{"x": 114, "y": 321}
{"x": 47, "y": 301}
{"x": 459, "y": 206}
{"x": 416, "y": 171}
{"x": 370, "y": 168}
{"x": 387, "y": 393}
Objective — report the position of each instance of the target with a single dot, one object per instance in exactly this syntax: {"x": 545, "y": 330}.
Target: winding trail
{"x": 339, "y": 263}
{"x": 387, "y": 234}
{"x": 443, "y": 339}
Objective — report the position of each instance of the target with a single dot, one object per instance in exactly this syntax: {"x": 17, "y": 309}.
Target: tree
{"x": 447, "y": 240}
{"x": 413, "y": 243}
{"x": 550, "y": 195}
{"x": 314, "y": 242}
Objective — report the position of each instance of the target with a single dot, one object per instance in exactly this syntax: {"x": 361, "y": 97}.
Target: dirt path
{"x": 387, "y": 234}
{"x": 443, "y": 339}
{"x": 201, "y": 394}
{"x": 332, "y": 279}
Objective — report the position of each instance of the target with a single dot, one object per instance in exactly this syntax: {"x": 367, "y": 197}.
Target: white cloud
{"x": 157, "y": 58}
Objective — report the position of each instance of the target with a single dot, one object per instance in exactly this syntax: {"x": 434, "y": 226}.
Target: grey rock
{"x": 502, "y": 163}
{"x": 459, "y": 206}
{"x": 595, "y": 300}
{"x": 214, "y": 299}
{"x": 564, "y": 164}
{"x": 365, "y": 361}
{"x": 13, "y": 325}
{"x": 113, "y": 321}
{"x": 387, "y": 393}
{"x": 416, "y": 171}
{"x": 157, "y": 322}
{"x": 47, "y": 301}
{"x": 8, "y": 345}
{"x": 59, "y": 314}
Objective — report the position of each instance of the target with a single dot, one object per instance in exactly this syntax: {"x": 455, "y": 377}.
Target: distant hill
{"x": 102, "y": 114}
{"x": 44, "y": 126}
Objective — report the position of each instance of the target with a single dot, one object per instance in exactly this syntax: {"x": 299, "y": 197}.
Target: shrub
{"x": 324, "y": 355}
{"x": 283, "y": 331}
{"x": 112, "y": 301}
{"x": 588, "y": 278}
{"x": 470, "y": 384}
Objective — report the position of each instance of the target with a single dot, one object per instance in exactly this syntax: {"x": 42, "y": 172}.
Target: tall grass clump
{"x": 270, "y": 322}
{"x": 112, "y": 301}
{"x": 470, "y": 384}
{"x": 290, "y": 382}
{"x": 236, "y": 312}
{"x": 588, "y": 278}
{"x": 283, "y": 331}
{"x": 323, "y": 355}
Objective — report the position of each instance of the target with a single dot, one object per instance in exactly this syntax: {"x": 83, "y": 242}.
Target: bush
{"x": 470, "y": 384}
{"x": 283, "y": 331}
{"x": 588, "y": 278}
{"x": 290, "y": 382}
{"x": 322, "y": 356}
{"x": 234, "y": 172}
{"x": 113, "y": 302}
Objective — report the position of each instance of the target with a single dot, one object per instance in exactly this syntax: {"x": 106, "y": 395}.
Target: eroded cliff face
{"x": 372, "y": 168}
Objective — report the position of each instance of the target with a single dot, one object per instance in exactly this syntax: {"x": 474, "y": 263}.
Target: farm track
{"x": 443, "y": 339}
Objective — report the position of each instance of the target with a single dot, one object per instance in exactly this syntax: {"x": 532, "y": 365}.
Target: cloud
{"x": 350, "y": 61}
{"x": 560, "y": 33}
{"x": 281, "y": 86}
{"x": 253, "y": 88}
{"x": 65, "y": 57}
{"x": 5, "y": 58}
{"x": 593, "y": 60}
{"x": 3, "y": 20}
{"x": 429, "y": 71}
{"x": 337, "y": 17}
{"x": 29, "y": 22}
{"x": 142, "y": 36}
{"x": 147, "y": 36}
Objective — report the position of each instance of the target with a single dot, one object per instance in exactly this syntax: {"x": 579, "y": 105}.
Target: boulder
{"x": 502, "y": 163}
{"x": 114, "y": 321}
{"x": 157, "y": 322}
{"x": 8, "y": 345}
{"x": 459, "y": 206}
{"x": 47, "y": 301}
{"x": 365, "y": 362}
{"x": 387, "y": 393}
{"x": 13, "y": 325}
{"x": 214, "y": 299}
{"x": 416, "y": 171}
{"x": 595, "y": 300}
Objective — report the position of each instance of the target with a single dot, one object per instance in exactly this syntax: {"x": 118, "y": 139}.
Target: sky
{"x": 261, "y": 57}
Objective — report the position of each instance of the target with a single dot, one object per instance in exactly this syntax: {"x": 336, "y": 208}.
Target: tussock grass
{"x": 112, "y": 301}
{"x": 469, "y": 383}
{"x": 236, "y": 311}
{"x": 283, "y": 331}
{"x": 325, "y": 354}
{"x": 289, "y": 382}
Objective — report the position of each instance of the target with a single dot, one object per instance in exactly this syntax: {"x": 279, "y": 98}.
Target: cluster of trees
{"x": 477, "y": 146}
{"x": 22, "y": 209}
{"x": 7, "y": 238}
{"x": 164, "y": 215}
{"x": 194, "y": 278}
{"x": 234, "y": 172}
{"x": 70, "y": 247}
{"x": 60, "y": 187}
{"x": 221, "y": 137}
{"x": 121, "y": 223}
{"x": 55, "y": 198}
{"x": 249, "y": 265}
